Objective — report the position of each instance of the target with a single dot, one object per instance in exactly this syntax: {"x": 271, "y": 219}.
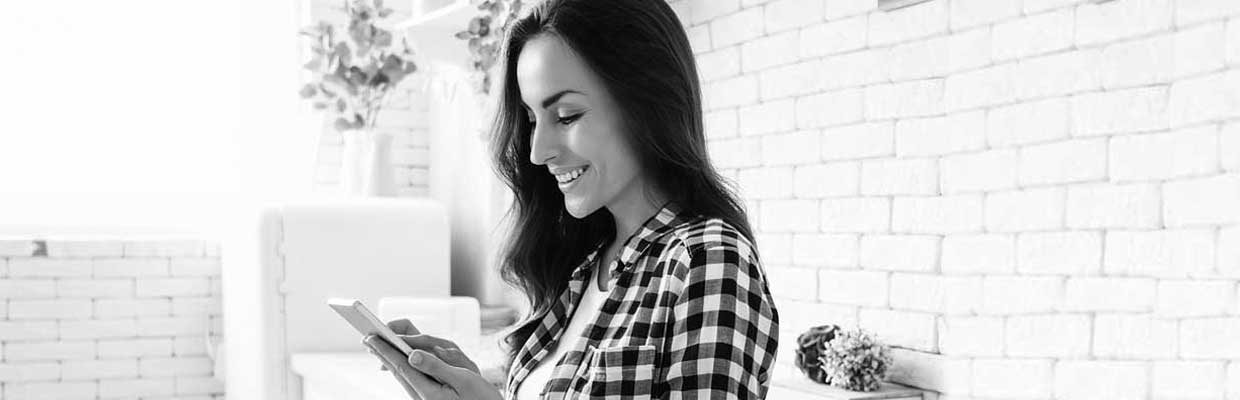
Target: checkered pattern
{"x": 689, "y": 316}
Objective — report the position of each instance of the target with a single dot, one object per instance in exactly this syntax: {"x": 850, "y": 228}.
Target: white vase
{"x": 379, "y": 179}
{"x": 351, "y": 161}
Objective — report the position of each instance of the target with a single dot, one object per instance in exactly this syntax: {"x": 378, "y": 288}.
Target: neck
{"x": 632, "y": 210}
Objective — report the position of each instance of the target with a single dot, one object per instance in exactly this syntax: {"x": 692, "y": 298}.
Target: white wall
{"x": 1032, "y": 199}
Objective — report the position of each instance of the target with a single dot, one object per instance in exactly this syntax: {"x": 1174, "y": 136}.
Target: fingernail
{"x": 415, "y": 358}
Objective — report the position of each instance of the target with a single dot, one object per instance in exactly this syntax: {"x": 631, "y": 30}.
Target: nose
{"x": 544, "y": 144}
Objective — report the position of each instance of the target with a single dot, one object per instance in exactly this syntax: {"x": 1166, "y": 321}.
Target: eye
{"x": 565, "y": 120}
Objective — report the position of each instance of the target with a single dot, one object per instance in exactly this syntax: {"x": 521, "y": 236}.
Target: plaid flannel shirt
{"x": 689, "y": 316}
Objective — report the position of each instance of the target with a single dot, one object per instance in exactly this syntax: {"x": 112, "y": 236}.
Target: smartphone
{"x": 367, "y": 323}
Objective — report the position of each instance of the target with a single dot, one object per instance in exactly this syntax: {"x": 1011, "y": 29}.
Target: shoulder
{"x": 705, "y": 246}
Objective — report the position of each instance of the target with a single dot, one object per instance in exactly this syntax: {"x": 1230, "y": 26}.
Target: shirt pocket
{"x": 622, "y": 372}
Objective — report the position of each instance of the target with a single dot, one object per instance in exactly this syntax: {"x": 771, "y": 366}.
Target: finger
{"x": 427, "y": 342}
{"x": 390, "y": 355}
{"x": 404, "y": 383}
{"x": 456, "y": 357}
{"x": 438, "y": 369}
{"x": 402, "y": 327}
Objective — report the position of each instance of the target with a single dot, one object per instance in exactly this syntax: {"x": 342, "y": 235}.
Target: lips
{"x": 567, "y": 178}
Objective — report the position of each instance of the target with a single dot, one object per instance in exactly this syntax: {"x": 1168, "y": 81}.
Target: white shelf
{"x": 455, "y": 15}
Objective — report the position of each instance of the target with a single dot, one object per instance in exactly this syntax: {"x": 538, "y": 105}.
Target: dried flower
{"x": 848, "y": 359}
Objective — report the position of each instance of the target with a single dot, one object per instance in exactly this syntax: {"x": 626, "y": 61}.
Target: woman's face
{"x": 578, "y": 133}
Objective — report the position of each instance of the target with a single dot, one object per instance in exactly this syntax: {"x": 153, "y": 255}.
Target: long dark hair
{"x": 640, "y": 51}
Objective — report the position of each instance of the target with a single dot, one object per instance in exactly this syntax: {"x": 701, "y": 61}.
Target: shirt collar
{"x": 667, "y": 217}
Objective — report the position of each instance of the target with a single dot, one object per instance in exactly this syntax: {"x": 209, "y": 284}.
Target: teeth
{"x": 570, "y": 175}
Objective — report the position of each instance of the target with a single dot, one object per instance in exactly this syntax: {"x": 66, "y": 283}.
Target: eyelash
{"x": 563, "y": 120}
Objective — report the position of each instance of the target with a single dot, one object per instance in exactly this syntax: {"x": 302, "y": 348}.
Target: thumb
{"x": 437, "y": 368}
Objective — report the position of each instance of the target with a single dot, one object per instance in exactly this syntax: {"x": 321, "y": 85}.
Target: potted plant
{"x": 485, "y": 36}
{"x": 355, "y": 68}
{"x": 848, "y": 359}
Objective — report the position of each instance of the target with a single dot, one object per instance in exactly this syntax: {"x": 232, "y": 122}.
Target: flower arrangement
{"x": 848, "y": 359}
{"x": 355, "y": 69}
{"x": 485, "y": 34}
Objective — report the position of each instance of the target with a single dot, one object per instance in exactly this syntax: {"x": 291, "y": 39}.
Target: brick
{"x": 793, "y": 283}
{"x": 1205, "y": 98}
{"x": 720, "y": 124}
{"x": 935, "y": 136}
{"x": 130, "y": 267}
{"x": 706, "y": 10}
{"x": 826, "y": 250}
{"x": 919, "y": 59}
{"x": 855, "y": 69}
{"x": 719, "y": 64}
{"x": 195, "y": 266}
{"x": 911, "y": 176}
{"x": 860, "y": 214}
{"x": 27, "y": 330}
{"x": 39, "y": 351}
{"x": 1139, "y": 336}
{"x": 1120, "y": 111}
{"x": 978, "y": 254}
{"x": 989, "y": 170}
{"x": 1020, "y": 295}
{"x": 1186, "y": 152}
{"x": 1203, "y": 201}
{"x": 49, "y": 309}
{"x": 1187, "y": 299}
{"x": 140, "y": 387}
{"x": 13, "y": 373}
{"x": 134, "y": 348}
{"x": 175, "y": 366}
{"x": 1109, "y": 294}
{"x": 939, "y": 214}
{"x": 947, "y": 375}
{"x": 1095, "y": 23}
{"x": 195, "y": 346}
{"x": 1032, "y": 35}
{"x": 917, "y": 21}
{"x": 1035, "y": 6}
{"x": 798, "y": 79}
{"x": 962, "y": 295}
{"x": 734, "y": 153}
{"x": 1199, "y": 49}
{"x": 1133, "y": 206}
{"x": 904, "y": 99}
{"x": 732, "y": 92}
{"x": 1014, "y": 378}
{"x": 50, "y": 390}
{"x": 969, "y": 13}
{"x": 829, "y": 109}
{"x": 72, "y": 248}
{"x": 900, "y": 252}
{"x": 1137, "y": 62}
{"x": 116, "y": 308}
{"x": 767, "y": 117}
{"x": 77, "y": 288}
{"x": 12, "y": 247}
{"x": 1057, "y": 74}
{"x": 861, "y": 288}
{"x": 1166, "y": 254}
{"x": 827, "y": 180}
{"x": 1055, "y": 336}
{"x": 49, "y": 267}
{"x": 775, "y": 248}
{"x": 867, "y": 140}
{"x": 968, "y": 49}
{"x": 988, "y": 86}
{"x": 172, "y": 326}
{"x": 165, "y": 248}
{"x": 1025, "y": 210}
{"x": 790, "y": 148}
{"x": 1080, "y": 379}
{"x": 789, "y": 215}
{"x": 1191, "y": 11}
{"x": 737, "y": 27}
{"x": 1187, "y": 379}
{"x": 1233, "y": 380}
{"x": 782, "y": 15}
{"x": 765, "y": 182}
{"x": 1070, "y": 161}
{"x": 971, "y": 336}
{"x": 837, "y": 9}
{"x": 699, "y": 38}
{"x": 1233, "y": 45}
{"x": 833, "y": 37}
{"x": 99, "y": 369}
{"x": 770, "y": 51}
{"x": 910, "y": 330}
{"x": 1228, "y": 251}
{"x": 196, "y": 306}
{"x": 1027, "y": 123}
{"x": 198, "y": 385}
{"x": 27, "y": 288}
{"x": 152, "y": 287}
{"x": 1229, "y": 146}
{"x": 98, "y": 328}
{"x": 1066, "y": 253}
{"x": 916, "y": 292}
{"x": 1210, "y": 338}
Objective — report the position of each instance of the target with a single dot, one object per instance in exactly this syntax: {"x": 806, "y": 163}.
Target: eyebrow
{"x": 556, "y": 97}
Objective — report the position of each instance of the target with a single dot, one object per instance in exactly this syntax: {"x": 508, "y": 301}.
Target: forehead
{"x": 546, "y": 66}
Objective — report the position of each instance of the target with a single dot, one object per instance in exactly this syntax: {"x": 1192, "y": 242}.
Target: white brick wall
{"x": 99, "y": 318}
{"x": 1034, "y": 199}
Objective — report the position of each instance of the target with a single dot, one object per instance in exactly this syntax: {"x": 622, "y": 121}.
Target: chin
{"x": 578, "y": 208}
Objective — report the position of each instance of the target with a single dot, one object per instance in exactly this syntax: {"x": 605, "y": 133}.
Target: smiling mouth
{"x": 569, "y": 177}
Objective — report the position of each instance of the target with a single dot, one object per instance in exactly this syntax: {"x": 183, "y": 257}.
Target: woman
{"x": 651, "y": 286}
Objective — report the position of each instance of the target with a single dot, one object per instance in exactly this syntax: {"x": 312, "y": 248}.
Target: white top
{"x": 587, "y": 310}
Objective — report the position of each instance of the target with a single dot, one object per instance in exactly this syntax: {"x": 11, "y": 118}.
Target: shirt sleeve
{"x": 724, "y": 331}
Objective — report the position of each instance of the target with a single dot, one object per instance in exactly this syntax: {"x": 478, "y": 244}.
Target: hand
{"x": 445, "y": 349}
{"x": 427, "y": 377}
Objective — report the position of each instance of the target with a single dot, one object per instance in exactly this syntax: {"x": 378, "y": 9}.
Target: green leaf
{"x": 342, "y": 124}
{"x": 464, "y": 35}
{"x": 308, "y": 91}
